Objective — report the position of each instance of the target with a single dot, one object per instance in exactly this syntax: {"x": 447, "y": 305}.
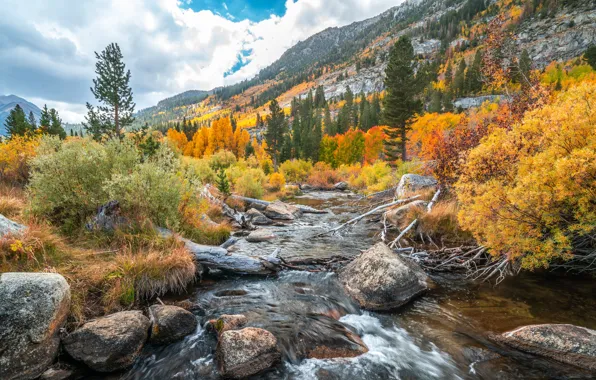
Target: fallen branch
{"x": 373, "y": 211}
{"x": 261, "y": 205}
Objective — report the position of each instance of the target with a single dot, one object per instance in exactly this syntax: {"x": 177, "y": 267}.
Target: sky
{"x": 47, "y": 46}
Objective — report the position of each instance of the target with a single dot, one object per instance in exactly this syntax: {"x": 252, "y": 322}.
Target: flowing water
{"x": 437, "y": 336}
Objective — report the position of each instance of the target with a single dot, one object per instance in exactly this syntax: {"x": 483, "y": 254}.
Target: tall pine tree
{"x": 111, "y": 88}
{"x": 400, "y": 101}
{"x": 16, "y": 123}
{"x": 55, "y": 127}
{"x": 276, "y": 130}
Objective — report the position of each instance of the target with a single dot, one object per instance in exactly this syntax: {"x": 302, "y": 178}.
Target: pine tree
{"x": 44, "y": 120}
{"x": 400, "y": 101}
{"x": 525, "y": 68}
{"x": 330, "y": 128}
{"x": 448, "y": 75}
{"x": 276, "y": 130}
{"x": 320, "y": 101}
{"x": 459, "y": 80}
{"x": 222, "y": 183}
{"x": 111, "y": 88}
{"x": 16, "y": 123}
{"x": 590, "y": 56}
{"x": 32, "y": 122}
{"x": 474, "y": 74}
{"x": 55, "y": 127}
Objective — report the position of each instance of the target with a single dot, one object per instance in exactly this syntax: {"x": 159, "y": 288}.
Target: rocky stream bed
{"x": 304, "y": 325}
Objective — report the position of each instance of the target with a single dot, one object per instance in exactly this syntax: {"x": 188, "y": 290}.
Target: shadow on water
{"x": 441, "y": 335}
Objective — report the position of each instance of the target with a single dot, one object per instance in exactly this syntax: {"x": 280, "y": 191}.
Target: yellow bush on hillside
{"x": 530, "y": 192}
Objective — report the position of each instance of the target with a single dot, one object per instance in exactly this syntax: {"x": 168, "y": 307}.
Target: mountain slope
{"x": 8, "y": 102}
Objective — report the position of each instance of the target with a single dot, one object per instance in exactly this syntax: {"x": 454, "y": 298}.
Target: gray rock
{"x": 8, "y": 226}
{"x": 342, "y": 186}
{"x": 260, "y": 235}
{"x": 341, "y": 344}
{"x": 395, "y": 216}
{"x": 33, "y": 308}
{"x": 257, "y": 218}
{"x": 110, "y": 343}
{"x": 380, "y": 279}
{"x": 568, "y": 344}
{"x": 281, "y": 211}
{"x": 246, "y": 352}
{"x": 170, "y": 323}
{"x": 108, "y": 218}
{"x": 412, "y": 183}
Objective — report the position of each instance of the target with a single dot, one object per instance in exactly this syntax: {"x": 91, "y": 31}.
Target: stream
{"x": 437, "y": 336}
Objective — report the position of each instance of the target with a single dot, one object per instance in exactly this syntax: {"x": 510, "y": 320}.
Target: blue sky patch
{"x": 253, "y": 10}
{"x": 242, "y": 60}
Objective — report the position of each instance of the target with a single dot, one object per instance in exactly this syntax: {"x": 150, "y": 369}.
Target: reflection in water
{"x": 435, "y": 337}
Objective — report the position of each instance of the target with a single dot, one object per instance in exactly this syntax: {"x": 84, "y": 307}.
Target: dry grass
{"x": 441, "y": 224}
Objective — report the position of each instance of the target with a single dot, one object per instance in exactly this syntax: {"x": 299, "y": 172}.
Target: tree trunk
{"x": 404, "y": 156}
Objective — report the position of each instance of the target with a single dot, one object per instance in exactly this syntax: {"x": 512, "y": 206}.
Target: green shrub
{"x": 198, "y": 170}
{"x": 67, "y": 180}
{"x": 222, "y": 159}
{"x": 250, "y": 183}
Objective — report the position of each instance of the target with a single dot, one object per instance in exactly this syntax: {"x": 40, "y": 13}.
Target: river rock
{"x": 257, "y": 218}
{"x": 260, "y": 235}
{"x": 108, "y": 218}
{"x": 242, "y": 353}
{"x": 228, "y": 322}
{"x": 395, "y": 216}
{"x": 33, "y": 308}
{"x": 380, "y": 279}
{"x": 57, "y": 374}
{"x": 412, "y": 183}
{"x": 281, "y": 211}
{"x": 346, "y": 345}
{"x": 170, "y": 323}
{"x": 8, "y": 226}
{"x": 110, "y": 343}
{"x": 569, "y": 344}
{"x": 341, "y": 186}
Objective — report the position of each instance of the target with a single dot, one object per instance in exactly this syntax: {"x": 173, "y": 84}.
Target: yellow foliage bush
{"x": 15, "y": 154}
{"x": 530, "y": 192}
{"x": 250, "y": 183}
{"x": 276, "y": 181}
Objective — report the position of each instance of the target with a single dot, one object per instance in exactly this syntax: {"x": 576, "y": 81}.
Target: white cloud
{"x": 47, "y": 52}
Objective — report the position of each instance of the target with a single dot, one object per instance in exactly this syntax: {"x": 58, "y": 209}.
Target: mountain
{"x": 170, "y": 104}
{"x": 355, "y": 55}
{"x": 8, "y": 102}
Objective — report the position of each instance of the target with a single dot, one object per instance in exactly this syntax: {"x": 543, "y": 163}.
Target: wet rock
{"x": 170, "y": 323}
{"x": 395, "y": 216}
{"x": 568, "y": 344}
{"x": 110, "y": 343}
{"x": 478, "y": 354}
{"x": 56, "y": 374}
{"x": 257, "y": 218}
{"x": 108, "y": 218}
{"x": 242, "y": 353}
{"x": 380, "y": 279}
{"x": 8, "y": 226}
{"x": 228, "y": 322}
{"x": 307, "y": 187}
{"x": 347, "y": 345}
{"x": 281, "y": 211}
{"x": 341, "y": 186}
{"x": 33, "y": 308}
{"x": 260, "y": 235}
{"x": 411, "y": 183}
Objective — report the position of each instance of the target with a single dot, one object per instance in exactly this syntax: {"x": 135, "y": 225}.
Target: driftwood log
{"x": 219, "y": 258}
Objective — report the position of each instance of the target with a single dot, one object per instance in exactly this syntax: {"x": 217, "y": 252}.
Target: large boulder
{"x": 257, "y": 218}
{"x": 380, "y": 279}
{"x": 281, "y": 211}
{"x": 33, "y": 308}
{"x": 569, "y": 344}
{"x": 242, "y": 353}
{"x": 395, "y": 216}
{"x": 412, "y": 183}
{"x": 260, "y": 235}
{"x": 8, "y": 226}
{"x": 170, "y": 323}
{"x": 341, "y": 344}
{"x": 110, "y": 343}
{"x": 341, "y": 186}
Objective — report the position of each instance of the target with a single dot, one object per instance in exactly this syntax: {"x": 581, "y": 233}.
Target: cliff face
{"x": 559, "y": 38}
